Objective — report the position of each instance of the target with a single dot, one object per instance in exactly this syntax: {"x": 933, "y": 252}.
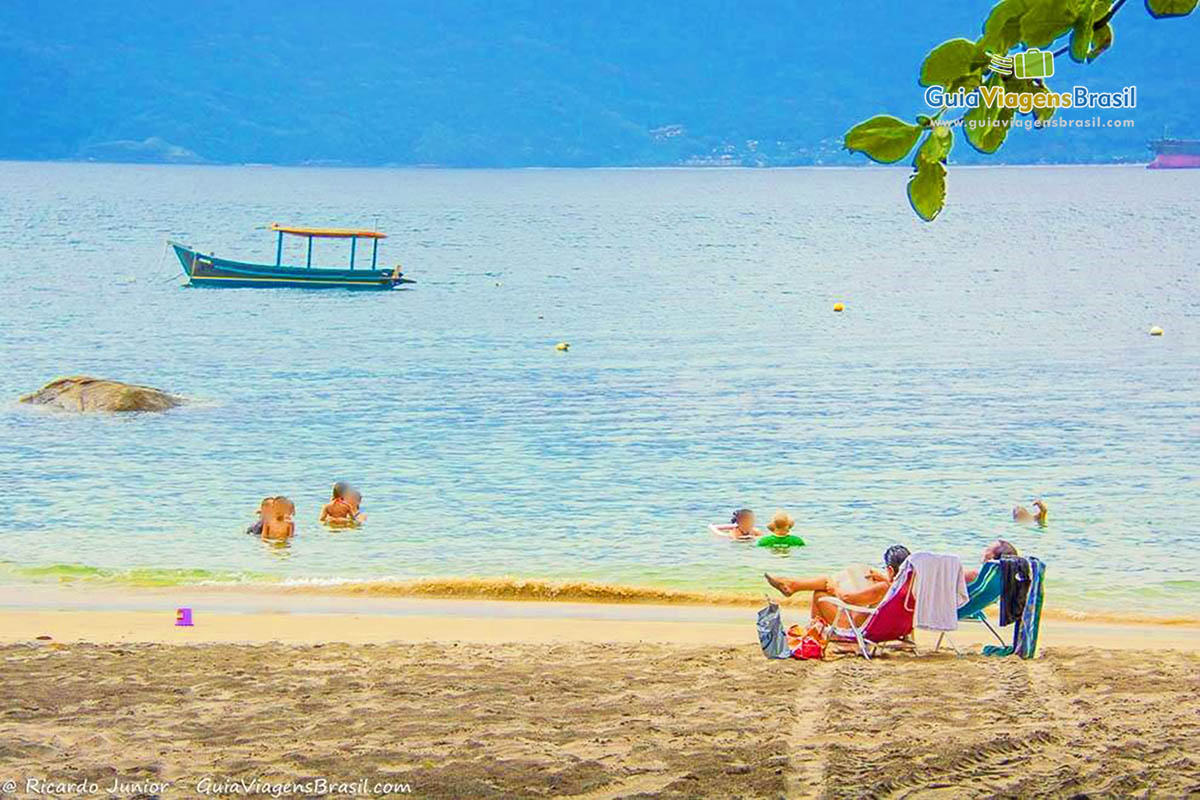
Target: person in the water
{"x": 354, "y": 498}
{"x": 1024, "y": 516}
{"x": 339, "y": 512}
{"x": 780, "y": 535}
{"x": 263, "y": 509}
{"x": 743, "y": 521}
{"x": 277, "y": 522}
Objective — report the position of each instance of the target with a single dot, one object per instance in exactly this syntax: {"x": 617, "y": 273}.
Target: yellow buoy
{"x": 562, "y": 347}
{"x": 838, "y": 307}
{"x": 1156, "y": 331}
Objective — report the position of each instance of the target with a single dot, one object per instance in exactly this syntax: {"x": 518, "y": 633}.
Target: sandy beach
{"x": 449, "y": 699}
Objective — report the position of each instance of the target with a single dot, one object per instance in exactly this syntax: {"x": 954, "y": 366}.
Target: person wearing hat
{"x": 780, "y": 535}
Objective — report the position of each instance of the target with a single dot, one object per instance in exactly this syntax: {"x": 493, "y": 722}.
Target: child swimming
{"x": 277, "y": 524}
{"x": 780, "y": 535}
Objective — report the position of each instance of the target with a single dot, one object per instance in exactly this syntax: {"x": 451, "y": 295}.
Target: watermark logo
{"x": 1032, "y": 63}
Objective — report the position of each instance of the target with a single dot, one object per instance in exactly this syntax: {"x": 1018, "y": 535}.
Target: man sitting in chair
{"x": 993, "y": 552}
{"x": 856, "y": 586}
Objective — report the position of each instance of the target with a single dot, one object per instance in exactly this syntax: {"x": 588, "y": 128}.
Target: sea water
{"x": 994, "y": 356}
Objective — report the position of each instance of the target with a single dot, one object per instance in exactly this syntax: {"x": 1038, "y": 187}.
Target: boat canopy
{"x": 328, "y": 233}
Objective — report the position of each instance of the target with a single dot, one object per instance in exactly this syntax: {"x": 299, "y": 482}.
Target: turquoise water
{"x": 997, "y": 355}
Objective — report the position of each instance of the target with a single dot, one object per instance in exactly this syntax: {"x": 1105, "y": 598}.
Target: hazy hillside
{"x": 520, "y": 83}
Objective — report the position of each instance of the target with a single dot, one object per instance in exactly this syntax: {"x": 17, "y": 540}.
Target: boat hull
{"x": 209, "y": 271}
{"x": 1175, "y": 154}
{"x": 1175, "y": 161}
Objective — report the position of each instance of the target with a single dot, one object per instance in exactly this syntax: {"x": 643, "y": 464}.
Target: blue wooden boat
{"x": 209, "y": 270}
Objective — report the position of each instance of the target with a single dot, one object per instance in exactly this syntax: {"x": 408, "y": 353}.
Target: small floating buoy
{"x": 562, "y": 347}
{"x": 838, "y": 307}
{"x": 1156, "y": 331}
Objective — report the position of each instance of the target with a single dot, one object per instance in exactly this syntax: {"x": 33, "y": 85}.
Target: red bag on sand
{"x": 810, "y": 648}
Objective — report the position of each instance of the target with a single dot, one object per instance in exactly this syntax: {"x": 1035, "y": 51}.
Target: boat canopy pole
{"x": 308, "y": 263}
{"x": 353, "y": 245}
{"x": 279, "y": 250}
{"x": 374, "y": 252}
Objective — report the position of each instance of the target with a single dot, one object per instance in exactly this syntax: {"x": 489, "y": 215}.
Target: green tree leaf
{"x": 1002, "y": 31}
{"x": 1170, "y": 8}
{"x": 937, "y": 145}
{"x": 927, "y": 189}
{"x": 1101, "y": 41}
{"x": 1043, "y": 115}
{"x": 1082, "y": 33}
{"x": 883, "y": 138}
{"x": 1046, "y": 20}
{"x": 968, "y": 83}
{"x": 948, "y": 62}
{"x": 987, "y": 128}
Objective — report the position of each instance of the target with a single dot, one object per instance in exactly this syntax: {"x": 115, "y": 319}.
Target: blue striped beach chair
{"x": 981, "y": 594}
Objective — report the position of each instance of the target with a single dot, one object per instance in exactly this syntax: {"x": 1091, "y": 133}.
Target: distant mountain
{"x": 524, "y": 83}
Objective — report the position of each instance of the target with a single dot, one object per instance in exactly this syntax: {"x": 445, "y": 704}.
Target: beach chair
{"x": 890, "y": 621}
{"x": 982, "y": 593}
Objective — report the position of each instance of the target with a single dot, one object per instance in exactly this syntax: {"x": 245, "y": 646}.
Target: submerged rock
{"x": 82, "y": 393}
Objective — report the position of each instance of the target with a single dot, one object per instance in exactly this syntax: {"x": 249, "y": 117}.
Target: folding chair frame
{"x": 844, "y": 609}
{"x": 978, "y": 617}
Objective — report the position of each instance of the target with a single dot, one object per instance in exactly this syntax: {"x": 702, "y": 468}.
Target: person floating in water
{"x": 780, "y": 535}
{"x": 743, "y": 521}
{"x": 1026, "y": 517}
{"x": 277, "y": 524}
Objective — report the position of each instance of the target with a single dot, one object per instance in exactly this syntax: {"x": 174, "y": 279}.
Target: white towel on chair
{"x": 939, "y": 588}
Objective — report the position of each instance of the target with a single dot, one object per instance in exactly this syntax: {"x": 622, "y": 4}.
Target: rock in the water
{"x": 81, "y": 393}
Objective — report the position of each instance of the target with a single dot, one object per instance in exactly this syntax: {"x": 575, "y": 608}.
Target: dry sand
{"x": 529, "y": 705}
{"x": 603, "y": 721}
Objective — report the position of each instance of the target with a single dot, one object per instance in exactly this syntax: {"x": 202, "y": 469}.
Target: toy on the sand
{"x": 183, "y": 617}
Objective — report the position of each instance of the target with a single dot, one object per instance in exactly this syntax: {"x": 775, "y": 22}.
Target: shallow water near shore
{"x": 997, "y": 355}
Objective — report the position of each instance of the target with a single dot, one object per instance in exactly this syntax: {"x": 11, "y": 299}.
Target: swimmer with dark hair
{"x": 338, "y": 512}
{"x": 742, "y": 521}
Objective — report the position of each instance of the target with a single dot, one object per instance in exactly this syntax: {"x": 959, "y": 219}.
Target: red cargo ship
{"x": 1174, "y": 153}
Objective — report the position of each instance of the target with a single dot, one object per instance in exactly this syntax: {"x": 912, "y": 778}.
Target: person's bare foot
{"x": 778, "y": 584}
